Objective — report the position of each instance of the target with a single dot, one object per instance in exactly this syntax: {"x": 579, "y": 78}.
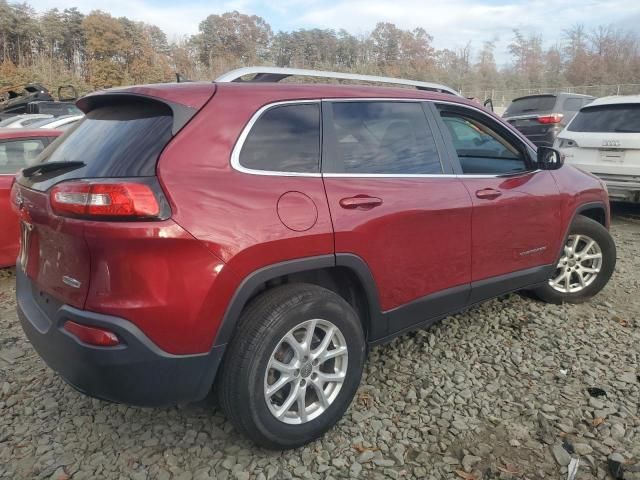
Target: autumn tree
{"x": 57, "y": 47}
{"x": 233, "y": 38}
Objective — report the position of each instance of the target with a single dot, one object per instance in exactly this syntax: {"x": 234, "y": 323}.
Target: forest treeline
{"x": 97, "y": 50}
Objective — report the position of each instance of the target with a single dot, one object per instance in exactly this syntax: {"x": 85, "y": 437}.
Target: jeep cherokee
{"x": 257, "y": 237}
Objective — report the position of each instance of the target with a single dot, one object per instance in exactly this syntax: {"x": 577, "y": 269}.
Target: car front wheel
{"x": 293, "y": 366}
{"x": 586, "y": 264}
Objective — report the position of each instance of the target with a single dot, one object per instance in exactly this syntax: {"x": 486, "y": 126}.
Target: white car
{"x": 58, "y": 123}
{"x": 604, "y": 139}
{"x": 25, "y": 120}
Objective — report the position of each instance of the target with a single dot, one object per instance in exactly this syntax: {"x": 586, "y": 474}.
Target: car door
{"x": 396, "y": 204}
{"x": 516, "y": 224}
{"x": 14, "y": 155}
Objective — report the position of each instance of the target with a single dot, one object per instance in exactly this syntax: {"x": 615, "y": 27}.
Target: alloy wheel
{"x": 306, "y": 371}
{"x": 579, "y": 265}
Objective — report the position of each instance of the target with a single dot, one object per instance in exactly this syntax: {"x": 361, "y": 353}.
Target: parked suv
{"x": 541, "y": 117}
{"x": 260, "y": 237}
{"x": 604, "y": 139}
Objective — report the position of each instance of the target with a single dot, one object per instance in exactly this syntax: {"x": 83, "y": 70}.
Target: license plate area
{"x": 612, "y": 156}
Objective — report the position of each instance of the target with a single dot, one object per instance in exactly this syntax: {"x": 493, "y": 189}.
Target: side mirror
{"x": 549, "y": 158}
{"x": 488, "y": 104}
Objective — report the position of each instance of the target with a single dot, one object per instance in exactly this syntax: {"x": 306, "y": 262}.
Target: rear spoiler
{"x": 183, "y": 104}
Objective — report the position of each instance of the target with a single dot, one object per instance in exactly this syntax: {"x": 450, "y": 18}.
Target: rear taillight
{"x": 104, "y": 199}
{"x": 92, "y": 335}
{"x": 553, "y": 118}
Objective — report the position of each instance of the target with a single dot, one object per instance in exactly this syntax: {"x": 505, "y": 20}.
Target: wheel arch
{"x": 345, "y": 274}
{"x": 597, "y": 211}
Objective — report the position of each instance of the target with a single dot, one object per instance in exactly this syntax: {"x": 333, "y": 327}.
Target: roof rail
{"x": 275, "y": 74}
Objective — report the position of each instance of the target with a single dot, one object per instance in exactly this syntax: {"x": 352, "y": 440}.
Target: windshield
{"x": 623, "y": 118}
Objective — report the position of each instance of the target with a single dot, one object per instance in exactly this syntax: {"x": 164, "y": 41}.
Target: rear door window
{"x": 17, "y": 154}
{"x": 285, "y": 138}
{"x": 533, "y": 104}
{"x": 384, "y": 138}
{"x": 624, "y": 118}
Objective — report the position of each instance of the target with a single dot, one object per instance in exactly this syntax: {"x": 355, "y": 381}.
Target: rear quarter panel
{"x": 235, "y": 214}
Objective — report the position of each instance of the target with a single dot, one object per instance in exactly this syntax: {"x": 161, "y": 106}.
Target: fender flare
{"x": 579, "y": 209}
{"x": 254, "y": 280}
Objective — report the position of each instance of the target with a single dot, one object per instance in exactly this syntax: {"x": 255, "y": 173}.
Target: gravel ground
{"x": 499, "y": 392}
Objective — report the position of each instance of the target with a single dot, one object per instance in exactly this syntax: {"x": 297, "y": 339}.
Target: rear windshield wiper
{"x": 625, "y": 130}
{"x": 50, "y": 167}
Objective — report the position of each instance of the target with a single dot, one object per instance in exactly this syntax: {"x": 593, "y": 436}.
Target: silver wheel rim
{"x": 306, "y": 371}
{"x": 579, "y": 265}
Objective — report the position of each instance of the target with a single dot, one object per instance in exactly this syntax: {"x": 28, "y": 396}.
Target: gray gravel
{"x": 498, "y": 392}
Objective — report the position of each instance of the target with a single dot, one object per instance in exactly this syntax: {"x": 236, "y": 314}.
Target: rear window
{"x": 118, "y": 140}
{"x": 534, "y": 104}
{"x": 607, "y": 119}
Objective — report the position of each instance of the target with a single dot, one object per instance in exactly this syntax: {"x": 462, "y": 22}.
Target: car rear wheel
{"x": 293, "y": 366}
{"x": 585, "y": 266}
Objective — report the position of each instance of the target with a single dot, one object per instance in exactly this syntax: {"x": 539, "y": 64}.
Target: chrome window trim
{"x": 525, "y": 117}
{"x": 426, "y": 175}
{"x": 235, "y": 154}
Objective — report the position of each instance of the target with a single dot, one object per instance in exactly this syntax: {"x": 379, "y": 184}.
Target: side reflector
{"x": 94, "y": 199}
{"x": 92, "y": 335}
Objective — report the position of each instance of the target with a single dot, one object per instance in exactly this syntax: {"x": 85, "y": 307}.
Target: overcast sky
{"x": 452, "y": 23}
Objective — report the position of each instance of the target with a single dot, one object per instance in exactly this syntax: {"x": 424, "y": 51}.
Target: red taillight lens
{"x": 95, "y": 199}
{"x": 92, "y": 335}
{"x": 553, "y": 118}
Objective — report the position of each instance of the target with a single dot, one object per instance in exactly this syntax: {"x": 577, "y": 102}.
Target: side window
{"x": 285, "y": 138}
{"x": 480, "y": 149}
{"x": 384, "y": 137}
{"x": 18, "y": 154}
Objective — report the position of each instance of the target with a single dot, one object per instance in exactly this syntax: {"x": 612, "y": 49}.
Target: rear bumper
{"x": 624, "y": 188}
{"x": 135, "y": 372}
{"x": 544, "y": 137}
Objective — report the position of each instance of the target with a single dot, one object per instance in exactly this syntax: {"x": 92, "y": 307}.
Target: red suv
{"x": 258, "y": 237}
{"x": 18, "y": 147}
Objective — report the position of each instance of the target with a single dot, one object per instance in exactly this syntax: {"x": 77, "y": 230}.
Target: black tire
{"x": 263, "y": 324}
{"x": 585, "y": 226}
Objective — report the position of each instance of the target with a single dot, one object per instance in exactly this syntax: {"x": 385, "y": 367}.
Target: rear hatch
{"x": 109, "y": 155}
{"x": 533, "y": 115}
{"x": 604, "y": 139}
